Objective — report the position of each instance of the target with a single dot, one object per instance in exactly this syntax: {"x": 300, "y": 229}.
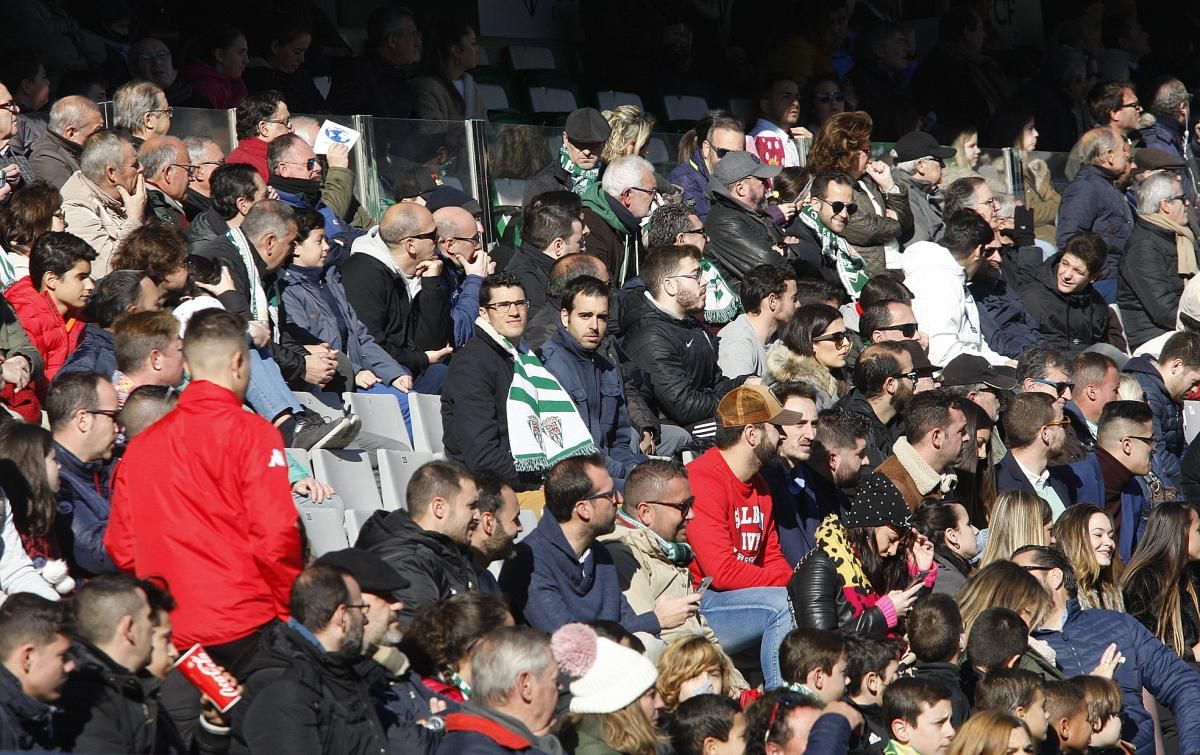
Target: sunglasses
{"x": 838, "y": 338}
{"x": 682, "y": 507}
{"x": 1060, "y": 387}
{"x": 826, "y": 97}
{"x": 907, "y": 329}
{"x": 913, "y": 375}
{"x": 1150, "y": 441}
{"x": 1058, "y": 423}
{"x": 721, "y": 151}
{"x": 308, "y": 164}
{"x": 837, "y": 207}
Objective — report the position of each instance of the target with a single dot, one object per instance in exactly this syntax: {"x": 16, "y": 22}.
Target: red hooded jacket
{"x": 201, "y": 498}
{"x": 54, "y": 337}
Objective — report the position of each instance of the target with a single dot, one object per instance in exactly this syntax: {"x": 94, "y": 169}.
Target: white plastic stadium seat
{"x": 610, "y": 99}
{"x": 494, "y": 96}
{"x": 396, "y": 468}
{"x": 547, "y": 100}
{"x": 684, "y": 107}
{"x": 426, "y": 413}
{"x": 301, "y": 456}
{"x": 1191, "y": 420}
{"x": 529, "y": 58}
{"x": 353, "y": 523}
{"x": 349, "y": 472}
{"x": 324, "y": 528}
{"x": 328, "y": 405}
{"x": 657, "y": 152}
{"x": 380, "y": 415}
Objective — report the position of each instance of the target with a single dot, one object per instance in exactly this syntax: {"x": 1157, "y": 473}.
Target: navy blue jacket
{"x": 1167, "y": 136}
{"x": 692, "y": 177}
{"x": 1092, "y": 203}
{"x": 1088, "y": 487}
{"x": 464, "y": 299}
{"x": 84, "y": 500}
{"x": 25, "y": 724}
{"x": 801, "y": 501}
{"x": 94, "y": 354}
{"x": 1006, "y": 325}
{"x": 1010, "y": 477}
{"x": 1148, "y": 663}
{"x": 334, "y": 225}
{"x": 595, "y": 387}
{"x": 1168, "y": 417}
{"x": 549, "y": 587}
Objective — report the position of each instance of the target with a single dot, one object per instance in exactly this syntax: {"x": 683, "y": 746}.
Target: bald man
{"x": 467, "y": 263}
{"x": 55, "y": 155}
{"x": 166, "y": 165}
{"x": 395, "y": 281}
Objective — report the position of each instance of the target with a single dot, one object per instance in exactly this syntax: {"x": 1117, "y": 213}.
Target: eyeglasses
{"x": 360, "y": 606}
{"x": 1037, "y": 568}
{"x": 839, "y": 337}
{"x": 1176, "y": 198}
{"x": 114, "y": 413}
{"x": 286, "y": 122}
{"x": 651, "y": 192}
{"x": 682, "y": 507}
{"x": 837, "y": 207}
{"x": 694, "y": 276}
{"x": 826, "y": 97}
{"x": 218, "y": 163}
{"x": 610, "y": 496}
{"x": 10, "y": 106}
{"x": 695, "y": 232}
{"x": 168, "y": 111}
{"x": 1149, "y": 441}
{"x": 428, "y": 235}
{"x": 990, "y": 200}
{"x": 1058, "y": 423}
{"x": 913, "y": 375}
{"x": 1135, "y": 105}
{"x": 907, "y": 329}
{"x": 1060, "y": 388}
{"x": 190, "y": 169}
{"x": 308, "y": 164}
{"x": 721, "y": 151}
{"x": 475, "y": 240}
{"x": 507, "y": 306}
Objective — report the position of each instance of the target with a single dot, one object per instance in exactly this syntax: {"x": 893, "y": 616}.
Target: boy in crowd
{"x": 936, "y": 638}
{"x": 1019, "y": 693}
{"x": 1067, "y": 712}
{"x": 918, "y": 715}
{"x": 871, "y": 665}
{"x": 1103, "y": 698}
{"x": 813, "y": 662}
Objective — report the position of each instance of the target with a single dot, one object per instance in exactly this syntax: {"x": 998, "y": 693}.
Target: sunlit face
{"x": 49, "y": 666}
{"x": 1072, "y": 275}
{"x": 735, "y": 745}
{"x": 933, "y": 732}
{"x": 588, "y": 321}
{"x": 74, "y": 288}
{"x": 1126, "y": 118}
{"x": 508, "y": 312}
{"x": 962, "y": 537}
{"x": 843, "y": 194}
{"x": 1019, "y": 742}
{"x": 1035, "y": 716}
{"x": 887, "y": 540}
{"x": 722, "y": 140}
{"x": 288, "y": 57}
{"x": 985, "y": 202}
{"x": 277, "y": 125}
{"x": 275, "y": 251}
{"x": 463, "y": 512}
{"x": 688, "y": 286}
{"x": 232, "y": 60}
{"x": 1079, "y": 732}
{"x": 171, "y": 364}
{"x": 163, "y": 653}
{"x": 383, "y": 621}
{"x": 954, "y": 438}
{"x": 584, "y": 154}
{"x": 850, "y": 462}
{"x": 603, "y": 509}
{"x": 1107, "y": 734}
{"x": 795, "y": 441}
{"x": 1101, "y": 537}
{"x": 312, "y": 250}
{"x": 800, "y": 722}
{"x": 710, "y": 681}
{"x": 832, "y": 351}
{"x": 782, "y": 104}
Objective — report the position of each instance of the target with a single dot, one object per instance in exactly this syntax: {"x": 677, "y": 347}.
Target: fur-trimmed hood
{"x": 787, "y": 366}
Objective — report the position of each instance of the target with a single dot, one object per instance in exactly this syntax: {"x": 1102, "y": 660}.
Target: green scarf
{"x": 580, "y": 179}
{"x": 679, "y": 554}
{"x": 721, "y": 304}
{"x": 544, "y": 426}
{"x": 851, "y": 269}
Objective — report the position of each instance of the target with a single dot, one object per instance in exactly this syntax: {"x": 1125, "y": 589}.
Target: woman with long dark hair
{"x": 29, "y": 559}
{"x": 813, "y": 347}
{"x": 1085, "y": 535}
{"x": 1159, "y": 585}
{"x": 946, "y": 524}
{"x": 976, "y": 474}
{"x": 447, "y": 91}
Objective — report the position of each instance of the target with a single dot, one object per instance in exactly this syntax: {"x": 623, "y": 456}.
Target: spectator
{"x": 215, "y": 71}
{"x": 166, "y": 166}
{"x": 672, "y": 347}
{"x": 261, "y": 118}
{"x": 32, "y": 212}
{"x": 812, "y": 347}
{"x": 919, "y": 161}
{"x": 377, "y": 81}
{"x": 1070, "y": 314}
{"x": 305, "y": 694}
{"x": 889, "y": 320}
{"x": 442, "y": 635}
{"x": 965, "y": 139}
{"x": 285, "y": 43}
{"x": 958, "y": 80}
{"x": 702, "y": 724}
{"x": 822, "y": 249}
{"x": 494, "y": 539}
{"x": 105, "y": 200}
{"x": 1018, "y": 518}
{"x": 149, "y": 59}
{"x": 818, "y": 486}
{"x": 934, "y": 629}
{"x": 937, "y": 274}
{"x": 741, "y": 235}
{"x": 972, "y": 378}
{"x": 105, "y": 708}
{"x": 1036, "y": 434}
{"x": 613, "y": 210}
{"x": 884, "y": 384}
{"x": 296, "y": 176}
{"x": 1171, "y": 106}
{"x": 715, "y": 135}
{"x": 948, "y": 526}
{"x": 1096, "y": 379}
{"x": 693, "y": 665}
{"x": 934, "y": 439}
{"x": 593, "y": 383}
{"x": 317, "y": 311}
{"x": 813, "y": 662}
{"x": 161, "y": 252}
{"x": 1080, "y": 639}
{"x": 824, "y": 96}
{"x": 146, "y": 405}
{"x": 205, "y": 156}
{"x": 465, "y": 263}
{"x": 13, "y": 162}
{"x": 1048, "y": 371}
{"x": 991, "y": 732}
{"x": 1085, "y": 533}
{"x": 1113, "y": 105}
{"x": 1103, "y": 698}
{"x": 578, "y": 167}
{"x": 1158, "y": 259}
{"x": 785, "y": 721}
{"x": 141, "y": 109}
{"x": 871, "y": 666}
{"x": 393, "y": 283}
{"x": 55, "y": 155}
{"x": 427, "y": 543}
{"x": 1017, "y": 692}
{"x": 769, "y": 293}
{"x": 35, "y": 657}
{"x": 976, "y": 474}
{"x": 918, "y": 712}
{"x": 250, "y": 538}
{"x": 30, "y": 480}
{"x": 1093, "y": 200}
{"x": 581, "y": 506}
{"x": 1167, "y": 381}
{"x": 549, "y": 233}
{"x": 148, "y": 351}
{"x": 447, "y": 91}
{"x": 1015, "y": 127}
{"x": 778, "y": 123}
{"x": 1155, "y": 588}
{"x": 118, "y": 293}
{"x": 514, "y": 695}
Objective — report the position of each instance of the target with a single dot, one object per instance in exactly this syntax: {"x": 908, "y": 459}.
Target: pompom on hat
{"x": 607, "y": 676}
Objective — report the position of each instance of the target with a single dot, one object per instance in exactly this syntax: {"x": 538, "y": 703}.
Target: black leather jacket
{"x": 818, "y": 602}
{"x": 739, "y": 238}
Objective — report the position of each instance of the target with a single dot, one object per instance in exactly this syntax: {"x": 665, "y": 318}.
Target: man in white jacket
{"x": 937, "y": 274}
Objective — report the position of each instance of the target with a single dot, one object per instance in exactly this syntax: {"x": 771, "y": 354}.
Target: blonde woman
{"x": 1018, "y": 518}
{"x": 631, "y": 127}
{"x": 1003, "y": 584}
{"x": 692, "y": 666}
{"x": 966, "y": 155}
{"x": 991, "y": 732}
{"x": 1086, "y": 536}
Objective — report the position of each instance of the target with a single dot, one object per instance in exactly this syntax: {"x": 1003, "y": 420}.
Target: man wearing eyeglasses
{"x": 205, "y": 156}
{"x": 1113, "y": 105}
{"x": 1149, "y": 286}
{"x": 141, "y": 108}
{"x": 1167, "y": 382}
{"x": 1036, "y": 432}
{"x": 296, "y": 175}
{"x": 741, "y": 235}
{"x": 168, "y": 168}
{"x": 1171, "y": 107}
{"x": 55, "y": 155}
{"x": 821, "y": 247}
{"x": 919, "y": 162}
{"x": 262, "y": 117}
{"x": 106, "y": 199}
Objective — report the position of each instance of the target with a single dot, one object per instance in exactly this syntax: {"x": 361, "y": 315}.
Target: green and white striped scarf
{"x": 581, "y": 178}
{"x": 721, "y": 304}
{"x": 544, "y": 427}
{"x": 851, "y": 269}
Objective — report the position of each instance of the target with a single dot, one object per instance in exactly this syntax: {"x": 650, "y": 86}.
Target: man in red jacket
{"x": 733, "y": 533}
{"x": 202, "y": 500}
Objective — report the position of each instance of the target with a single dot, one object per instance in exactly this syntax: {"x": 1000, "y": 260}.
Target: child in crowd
{"x": 813, "y": 662}
{"x": 1103, "y": 698}
{"x": 692, "y": 666}
{"x": 871, "y": 664}
{"x": 936, "y": 637}
{"x": 708, "y": 725}
{"x": 918, "y": 715}
{"x": 1015, "y": 691}
{"x": 1067, "y": 712}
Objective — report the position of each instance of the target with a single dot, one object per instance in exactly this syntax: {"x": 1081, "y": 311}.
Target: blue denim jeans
{"x": 751, "y": 615}
{"x": 268, "y": 394}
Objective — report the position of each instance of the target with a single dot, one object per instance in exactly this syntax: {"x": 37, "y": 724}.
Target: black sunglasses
{"x": 1059, "y": 387}
{"x": 825, "y": 97}
{"x": 839, "y": 337}
{"x": 913, "y": 375}
{"x": 837, "y": 207}
{"x": 682, "y": 507}
{"x": 430, "y": 235}
{"x": 721, "y": 151}
{"x": 1151, "y": 441}
{"x": 907, "y": 329}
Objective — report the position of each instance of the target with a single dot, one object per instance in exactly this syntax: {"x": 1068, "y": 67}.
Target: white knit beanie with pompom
{"x": 607, "y": 676}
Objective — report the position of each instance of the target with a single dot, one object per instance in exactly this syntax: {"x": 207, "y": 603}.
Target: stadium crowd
{"x": 791, "y": 450}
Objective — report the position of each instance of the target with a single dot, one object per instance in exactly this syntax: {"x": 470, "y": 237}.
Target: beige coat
{"x": 98, "y": 220}
{"x": 787, "y": 366}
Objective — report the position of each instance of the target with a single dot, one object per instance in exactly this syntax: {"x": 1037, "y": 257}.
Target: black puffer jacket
{"x": 739, "y": 238}
{"x": 1148, "y": 285}
{"x": 302, "y": 700}
{"x": 106, "y": 708}
{"x": 818, "y": 602}
{"x": 25, "y": 724}
{"x": 434, "y": 565}
{"x": 681, "y": 359}
{"x": 1069, "y": 322}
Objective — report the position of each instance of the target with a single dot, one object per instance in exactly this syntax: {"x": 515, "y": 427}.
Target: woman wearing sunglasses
{"x": 812, "y": 347}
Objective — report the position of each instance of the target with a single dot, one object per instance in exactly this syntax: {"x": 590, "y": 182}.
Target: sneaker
{"x": 314, "y": 431}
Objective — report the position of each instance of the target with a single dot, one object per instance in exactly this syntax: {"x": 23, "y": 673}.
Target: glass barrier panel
{"x": 402, "y": 146}
{"x": 217, "y": 125}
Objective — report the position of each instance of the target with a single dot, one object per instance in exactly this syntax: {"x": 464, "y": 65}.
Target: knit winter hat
{"x": 878, "y": 502}
{"x": 607, "y": 675}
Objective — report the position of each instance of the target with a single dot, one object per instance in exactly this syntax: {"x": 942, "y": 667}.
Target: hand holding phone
{"x": 704, "y": 583}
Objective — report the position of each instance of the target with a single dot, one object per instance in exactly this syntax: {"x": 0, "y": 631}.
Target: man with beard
{"x": 821, "y": 248}
{"x": 884, "y": 383}
{"x": 733, "y": 533}
{"x": 1036, "y": 434}
{"x": 499, "y": 525}
{"x": 561, "y": 573}
{"x": 741, "y": 235}
{"x": 778, "y": 123}
{"x": 921, "y": 461}
{"x": 303, "y": 694}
